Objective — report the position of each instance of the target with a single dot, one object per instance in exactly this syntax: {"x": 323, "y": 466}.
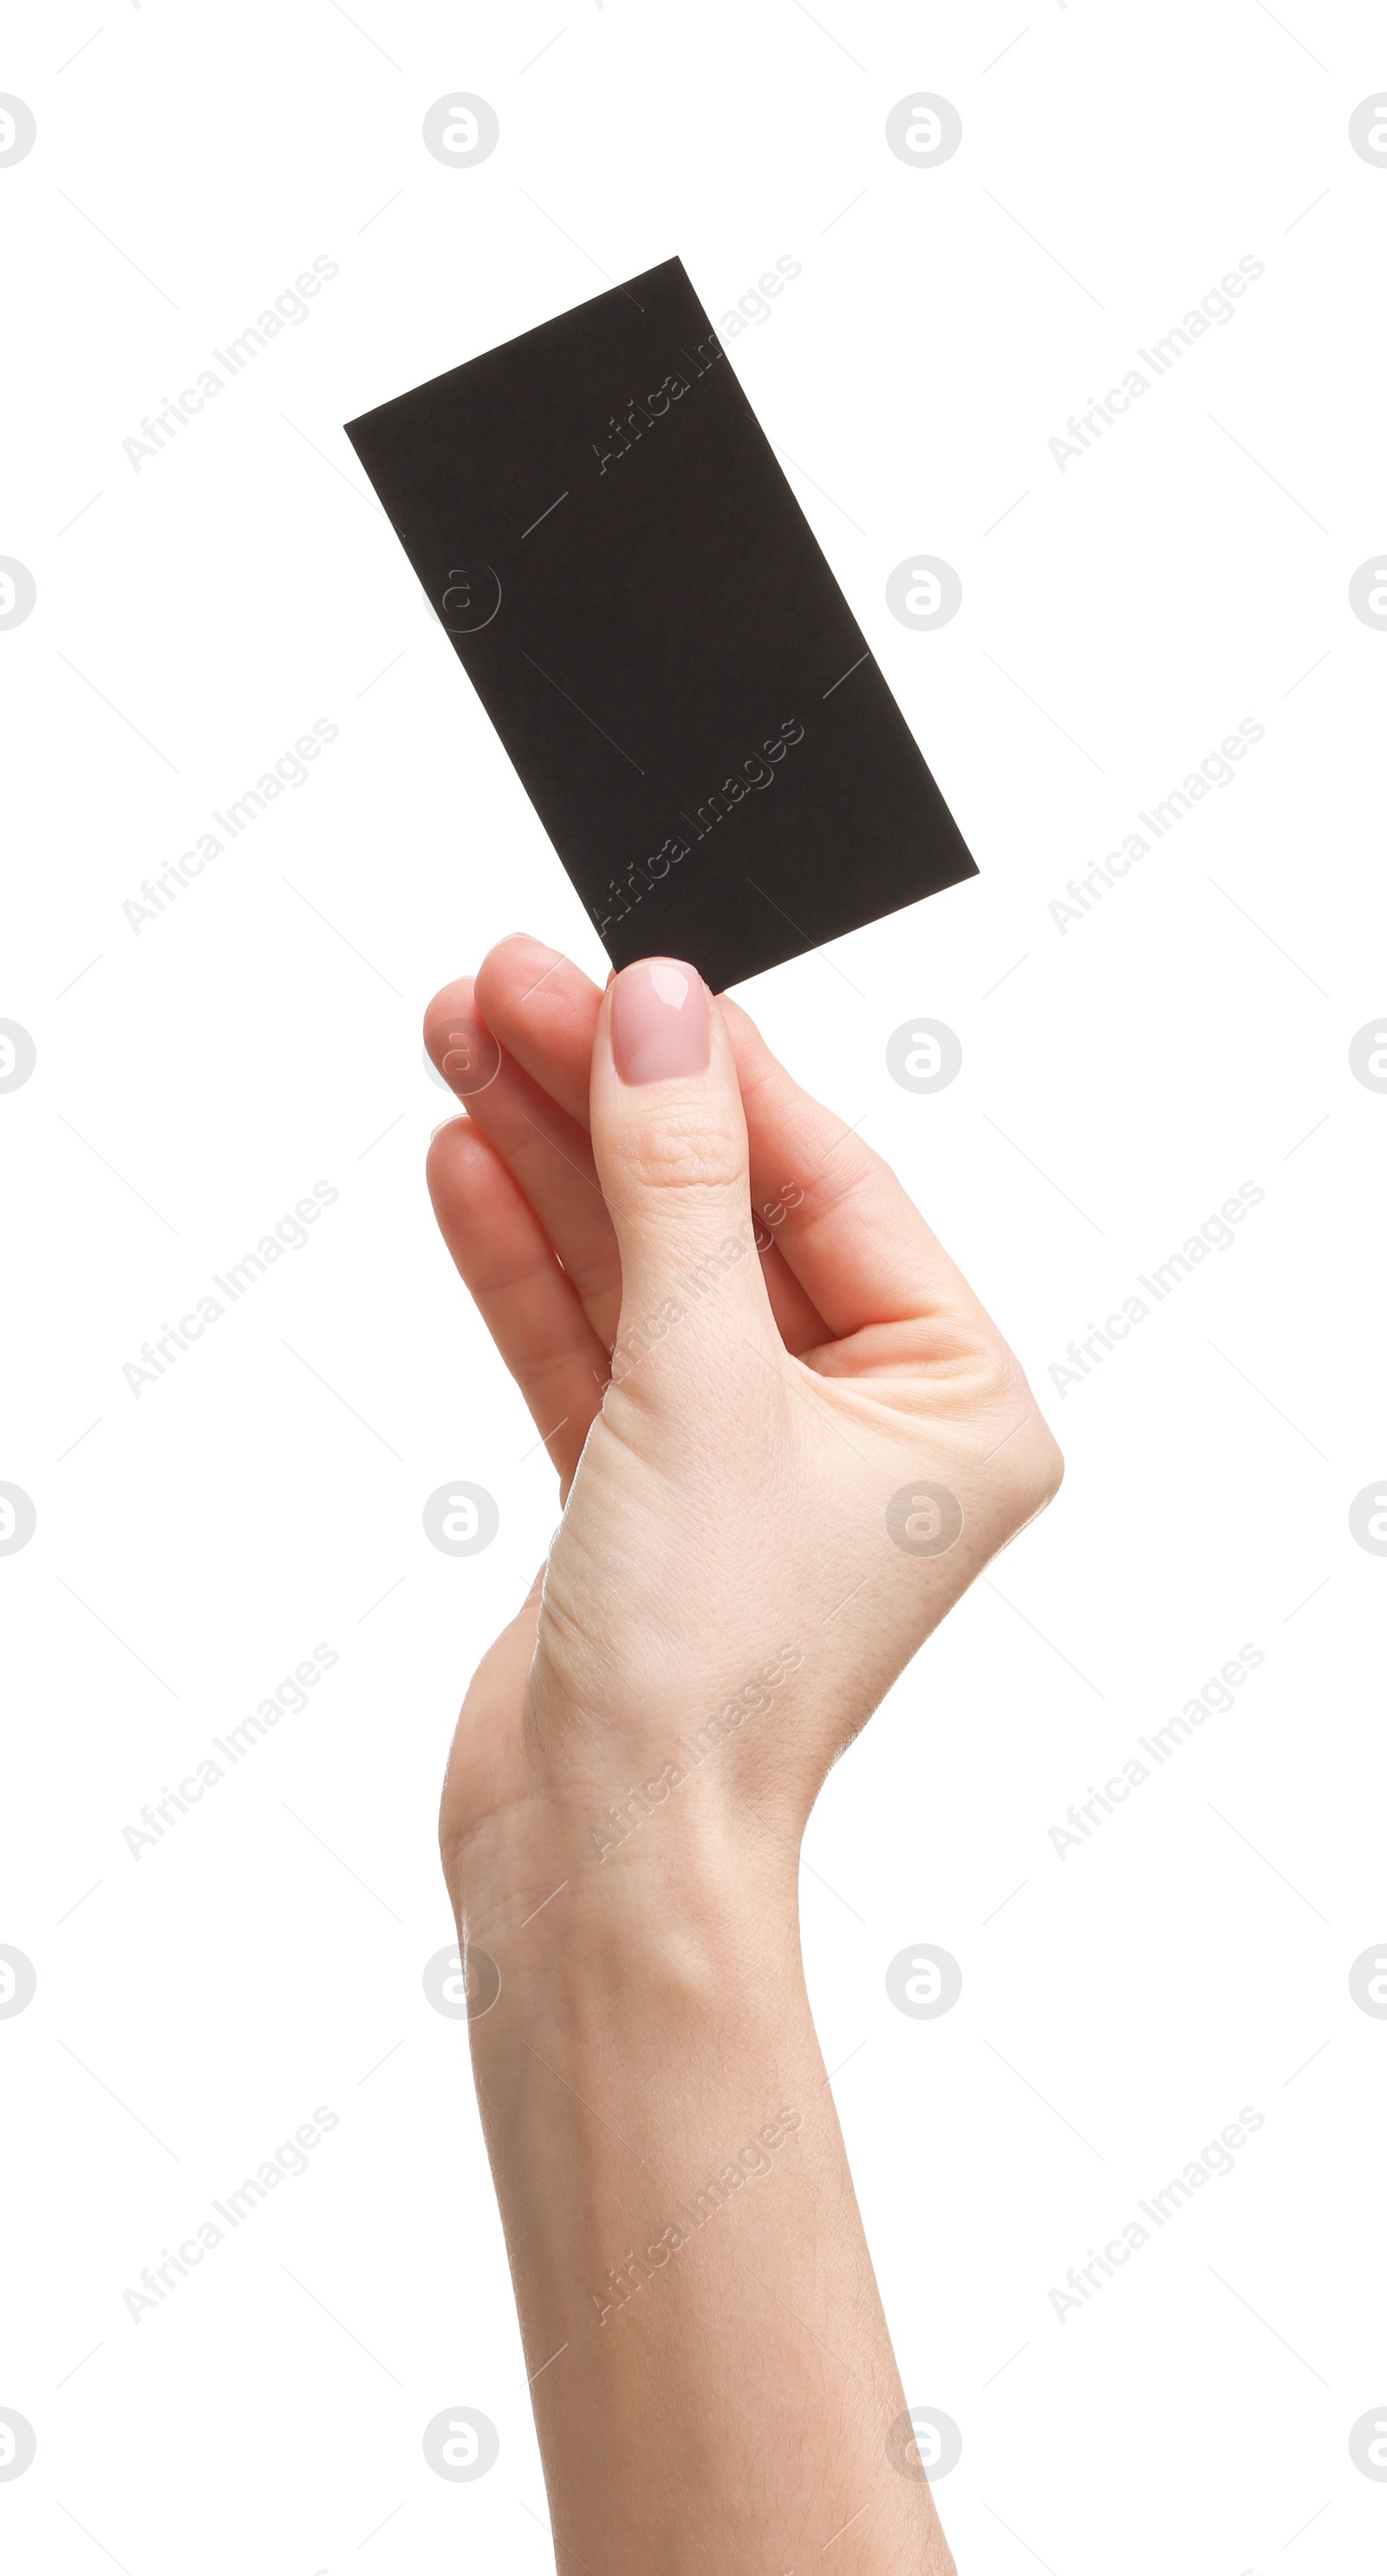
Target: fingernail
{"x": 659, "y": 1021}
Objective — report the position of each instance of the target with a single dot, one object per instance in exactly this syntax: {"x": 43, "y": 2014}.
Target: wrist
{"x": 684, "y": 1907}
{"x": 654, "y": 1844}
{"x": 640, "y": 2015}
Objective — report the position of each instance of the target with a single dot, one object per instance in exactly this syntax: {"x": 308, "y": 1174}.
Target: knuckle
{"x": 1047, "y": 1473}
{"x": 1033, "y": 1472}
{"x": 1027, "y": 1462}
{"x": 853, "y": 1171}
{"x": 688, "y": 1151}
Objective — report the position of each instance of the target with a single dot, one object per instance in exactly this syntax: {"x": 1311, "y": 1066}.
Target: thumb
{"x": 670, "y": 1142}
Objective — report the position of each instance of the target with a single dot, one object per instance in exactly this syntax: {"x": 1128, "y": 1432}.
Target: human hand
{"x": 787, "y": 1442}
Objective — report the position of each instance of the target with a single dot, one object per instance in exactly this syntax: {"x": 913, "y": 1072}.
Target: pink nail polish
{"x": 659, "y": 1021}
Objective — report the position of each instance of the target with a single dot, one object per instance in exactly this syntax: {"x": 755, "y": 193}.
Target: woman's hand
{"x": 788, "y": 1437}
{"x": 787, "y": 1434}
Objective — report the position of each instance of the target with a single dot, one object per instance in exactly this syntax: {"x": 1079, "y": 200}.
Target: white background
{"x": 1120, "y": 1078}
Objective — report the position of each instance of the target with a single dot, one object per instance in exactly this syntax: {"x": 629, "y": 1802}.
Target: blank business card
{"x": 638, "y": 600}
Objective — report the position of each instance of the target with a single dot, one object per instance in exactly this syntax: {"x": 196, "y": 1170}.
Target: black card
{"x": 644, "y": 612}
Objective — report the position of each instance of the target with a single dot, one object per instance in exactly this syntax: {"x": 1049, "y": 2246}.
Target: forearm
{"x": 711, "y": 2372}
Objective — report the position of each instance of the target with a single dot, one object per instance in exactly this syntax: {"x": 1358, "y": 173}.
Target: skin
{"x": 712, "y": 2377}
